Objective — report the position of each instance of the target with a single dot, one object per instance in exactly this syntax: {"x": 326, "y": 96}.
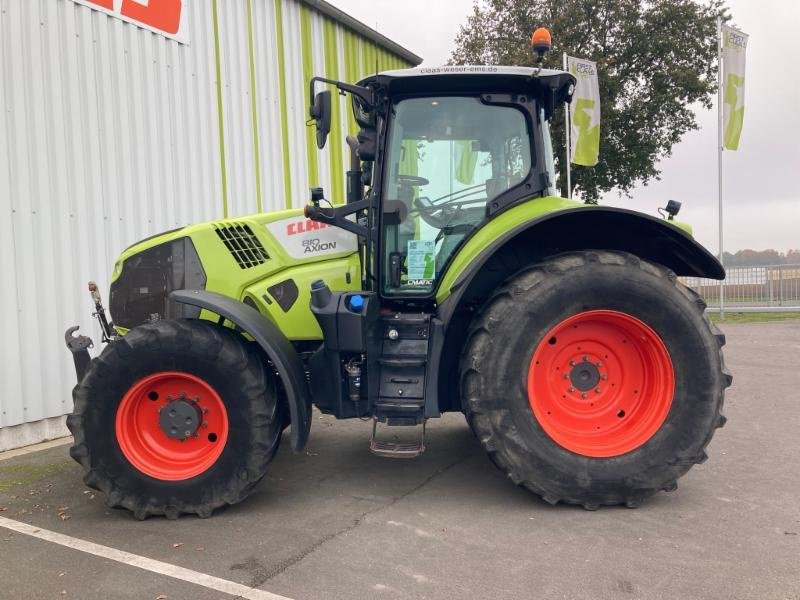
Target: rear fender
{"x": 546, "y": 235}
{"x": 583, "y": 228}
{"x": 275, "y": 345}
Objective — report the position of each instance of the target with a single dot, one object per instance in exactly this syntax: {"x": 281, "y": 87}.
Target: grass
{"x": 731, "y": 316}
{"x": 16, "y": 475}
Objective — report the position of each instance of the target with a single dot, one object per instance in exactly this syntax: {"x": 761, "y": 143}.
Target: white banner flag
{"x": 584, "y": 113}
{"x": 734, "y": 44}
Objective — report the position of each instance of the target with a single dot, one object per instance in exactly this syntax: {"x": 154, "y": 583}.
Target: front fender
{"x": 276, "y": 346}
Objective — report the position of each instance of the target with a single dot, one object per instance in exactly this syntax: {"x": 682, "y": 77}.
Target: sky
{"x": 761, "y": 199}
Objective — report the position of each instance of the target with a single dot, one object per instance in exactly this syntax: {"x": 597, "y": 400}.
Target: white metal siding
{"x": 236, "y": 101}
{"x": 100, "y": 145}
{"x": 110, "y": 133}
{"x": 269, "y": 104}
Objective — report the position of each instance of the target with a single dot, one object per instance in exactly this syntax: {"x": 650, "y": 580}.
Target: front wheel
{"x": 176, "y": 417}
{"x": 594, "y": 378}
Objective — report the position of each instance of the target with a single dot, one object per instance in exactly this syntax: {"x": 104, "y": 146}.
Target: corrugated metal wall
{"x": 110, "y": 133}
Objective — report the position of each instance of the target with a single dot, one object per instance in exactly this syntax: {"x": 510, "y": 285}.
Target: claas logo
{"x": 296, "y": 227}
{"x": 736, "y": 39}
{"x": 164, "y": 15}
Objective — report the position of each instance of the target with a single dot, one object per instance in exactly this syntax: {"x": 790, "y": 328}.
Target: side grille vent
{"x": 243, "y": 244}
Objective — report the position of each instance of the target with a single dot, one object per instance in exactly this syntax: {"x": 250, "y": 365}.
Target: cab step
{"x": 395, "y": 449}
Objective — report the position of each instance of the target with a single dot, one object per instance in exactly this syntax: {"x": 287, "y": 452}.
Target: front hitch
{"x": 109, "y": 332}
{"x": 79, "y": 346}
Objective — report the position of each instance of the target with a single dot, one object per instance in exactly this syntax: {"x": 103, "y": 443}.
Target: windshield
{"x": 447, "y": 157}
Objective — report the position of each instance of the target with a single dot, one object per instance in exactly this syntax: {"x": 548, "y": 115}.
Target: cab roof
{"x": 473, "y": 78}
{"x": 480, "y": 70}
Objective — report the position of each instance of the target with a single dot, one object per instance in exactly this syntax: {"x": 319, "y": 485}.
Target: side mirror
{"x": 321, "y": 113}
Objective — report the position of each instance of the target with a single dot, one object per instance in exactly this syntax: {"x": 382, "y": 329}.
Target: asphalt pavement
{"x": 338, "y": 523}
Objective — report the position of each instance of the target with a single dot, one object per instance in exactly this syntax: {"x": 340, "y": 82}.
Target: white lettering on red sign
{"x": 162, "y": 16}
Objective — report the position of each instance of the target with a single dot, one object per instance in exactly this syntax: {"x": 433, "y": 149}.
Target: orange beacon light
{"x": 541, "y": 42}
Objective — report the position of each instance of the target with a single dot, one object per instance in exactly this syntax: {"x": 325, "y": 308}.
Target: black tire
{"x": 514, "y": 321}
{"x": 220, "y": 357}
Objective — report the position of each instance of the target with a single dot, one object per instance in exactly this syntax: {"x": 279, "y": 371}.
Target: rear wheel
{"x": 176, "y": 417}
{"x": 594, "y": 378}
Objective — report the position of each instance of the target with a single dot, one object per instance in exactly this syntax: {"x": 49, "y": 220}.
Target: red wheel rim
{"x": 146, "y": 444}
{"x": 601, "y": 383}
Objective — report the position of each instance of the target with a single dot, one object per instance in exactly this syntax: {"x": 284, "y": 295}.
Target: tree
{"x": 654, "y": 58}
{"x": 758, "y": 258}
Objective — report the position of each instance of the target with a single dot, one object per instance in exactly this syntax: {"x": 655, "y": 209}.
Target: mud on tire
{"x": 513, "y": 323}
{"x": 222, "y": 359}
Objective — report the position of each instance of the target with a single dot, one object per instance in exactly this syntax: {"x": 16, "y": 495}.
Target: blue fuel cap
{"x": 355, "y": 303}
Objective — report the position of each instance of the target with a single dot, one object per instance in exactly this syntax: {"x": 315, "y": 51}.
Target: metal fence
{"x": 750, "y": 289}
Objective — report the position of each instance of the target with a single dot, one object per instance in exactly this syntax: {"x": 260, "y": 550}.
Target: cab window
{"x": 447, "y": 157}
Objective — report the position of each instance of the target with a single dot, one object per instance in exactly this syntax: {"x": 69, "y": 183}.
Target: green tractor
{"x": 453, "y": 278}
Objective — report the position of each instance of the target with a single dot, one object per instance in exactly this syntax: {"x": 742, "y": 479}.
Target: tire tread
{"x": 214, "y": 344}
{"x": 486, "y": 416}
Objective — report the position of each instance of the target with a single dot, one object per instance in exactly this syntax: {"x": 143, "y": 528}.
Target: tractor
{"x": 452, "y": 277}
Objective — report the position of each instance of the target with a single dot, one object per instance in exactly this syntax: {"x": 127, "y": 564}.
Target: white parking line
{"x": 148, "y": 564}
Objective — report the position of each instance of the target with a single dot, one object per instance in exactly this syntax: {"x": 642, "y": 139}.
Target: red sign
{"x": 162, "y": 16}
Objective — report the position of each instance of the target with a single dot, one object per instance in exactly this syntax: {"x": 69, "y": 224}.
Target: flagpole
{"x": 567, "y": 126}
{"x": 720, "y": 117}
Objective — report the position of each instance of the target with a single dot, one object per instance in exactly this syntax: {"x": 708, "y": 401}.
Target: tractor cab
{"x": 440, "y": 151}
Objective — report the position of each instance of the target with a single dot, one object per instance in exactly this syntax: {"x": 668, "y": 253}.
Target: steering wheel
{"x": 411, "y": 180}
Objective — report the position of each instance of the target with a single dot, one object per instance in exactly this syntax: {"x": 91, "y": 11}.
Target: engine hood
{"x": 267, "y": 242}
{"x": 226, "y": 256}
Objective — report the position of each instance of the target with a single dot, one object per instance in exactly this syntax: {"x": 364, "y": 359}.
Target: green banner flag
{"x": 734, "y": 45}
{"x": 584, "y": 113}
